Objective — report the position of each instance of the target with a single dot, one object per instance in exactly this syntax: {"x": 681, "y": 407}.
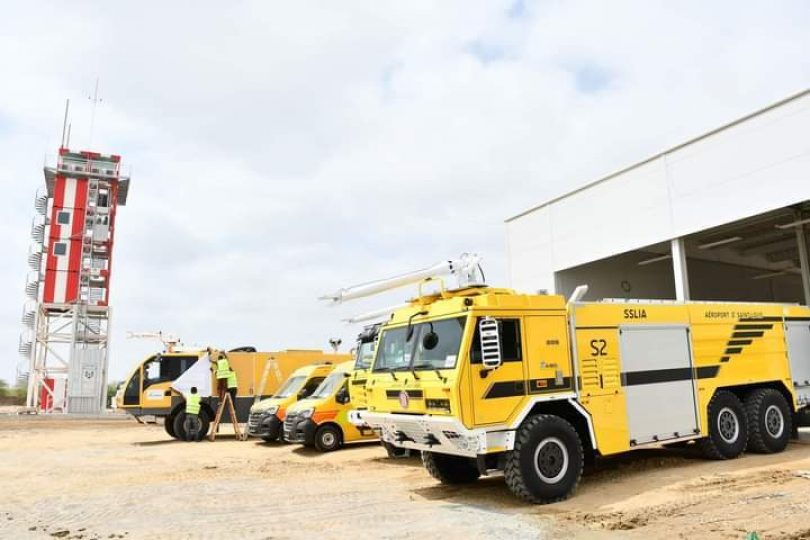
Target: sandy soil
{"x": 113, "y": 478}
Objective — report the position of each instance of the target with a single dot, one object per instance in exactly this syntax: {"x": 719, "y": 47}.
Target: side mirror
{"x": 490, "y": 332}
{"x": 342, "y": 396}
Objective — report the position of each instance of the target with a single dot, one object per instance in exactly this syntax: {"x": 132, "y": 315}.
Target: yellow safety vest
{"x": 192, "y": 403}
{"x": 223, "y": 368}
{"x": 232, "y": 380}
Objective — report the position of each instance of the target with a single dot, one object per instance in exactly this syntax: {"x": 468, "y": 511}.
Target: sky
{"x": 281, "y": 150}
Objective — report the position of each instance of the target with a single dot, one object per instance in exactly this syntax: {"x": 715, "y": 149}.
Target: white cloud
{"x": 281, "y": 150}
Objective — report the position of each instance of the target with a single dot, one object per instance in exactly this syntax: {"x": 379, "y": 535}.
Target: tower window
{"x": 60, "y": 248}
{"x": 63, "y": 218}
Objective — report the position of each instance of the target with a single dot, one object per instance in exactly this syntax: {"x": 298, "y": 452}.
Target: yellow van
{"x": 322, "y": 420}
{"x": 267, "y": 416}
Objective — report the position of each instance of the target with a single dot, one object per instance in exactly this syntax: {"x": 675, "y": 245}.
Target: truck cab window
{"x": 166, "y": 368}
{"x": 510, "y": 342}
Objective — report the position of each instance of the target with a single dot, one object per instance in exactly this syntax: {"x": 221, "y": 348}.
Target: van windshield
{"x": 433, "y": 345}
{"x": 290, "y": 387}
{"x": 330, "y": 384}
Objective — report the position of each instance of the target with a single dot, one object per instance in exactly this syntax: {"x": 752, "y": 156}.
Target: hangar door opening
{"x": 757, "y": 259}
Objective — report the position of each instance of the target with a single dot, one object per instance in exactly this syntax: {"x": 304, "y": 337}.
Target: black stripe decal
{"x": 707, "y": 372}
{"x": 724, "y": 359}
{"x": 655, "y": 376}
{"x": 753, "y": 326}
{"x": 735, "y": 342}
{"x": 359, "y": 381}
{"x": 747, "y": 334}
{"x": 797, "y": 318}
{"x": 761, "y": 319}
{"x": 733, "y": 350}
{"x": 503, "y": 389}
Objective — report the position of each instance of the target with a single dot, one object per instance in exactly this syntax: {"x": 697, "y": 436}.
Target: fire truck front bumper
{"x": 441, "y": 434}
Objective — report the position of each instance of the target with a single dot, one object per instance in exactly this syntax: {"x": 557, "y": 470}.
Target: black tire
{"x": 546, "y": 464}
{"x": 328, "y": 438}
{"x": 449, "y": 469}
{"x": 770, "y": 421}
{"x": 728, "y": 427}
{"x": 168, "y": 425}
{"x": 395, "y": 452}
{"x": 269, "y": 439}
{"x": 180, "y": 428}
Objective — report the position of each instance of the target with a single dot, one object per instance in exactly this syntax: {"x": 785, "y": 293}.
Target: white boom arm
{"x": 466, "y": 269}
{"x": 170, "y": 341}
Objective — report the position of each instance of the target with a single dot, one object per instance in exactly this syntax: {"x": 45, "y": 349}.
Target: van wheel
{"x": 328, "y": 438}
{"x": 449, "y": 469}
{"x": 769, "y": 421}
{"x": 168, "y": 425}
{"x": 728, "y": 427}
{"x": 547, "y": 461}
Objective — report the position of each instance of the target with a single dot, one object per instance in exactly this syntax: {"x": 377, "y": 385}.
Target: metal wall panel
{"x": 86, "y": 394}
{"x": 798, "y": 344}
{"x": 656, "y": 361}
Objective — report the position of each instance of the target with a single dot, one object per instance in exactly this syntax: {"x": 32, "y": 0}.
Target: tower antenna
{"x": 64, "y": 122}
{"x": 95, "y": 99}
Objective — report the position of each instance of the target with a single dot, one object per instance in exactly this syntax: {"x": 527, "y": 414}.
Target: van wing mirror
{"x": 490, "y": 331}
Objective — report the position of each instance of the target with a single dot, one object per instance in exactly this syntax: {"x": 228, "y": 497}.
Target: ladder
{"x": 226, "y": 400}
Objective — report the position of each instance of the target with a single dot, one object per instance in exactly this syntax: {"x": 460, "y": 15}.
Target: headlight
{"x": 271, "y": 410}
{"x": 306, "y": 413}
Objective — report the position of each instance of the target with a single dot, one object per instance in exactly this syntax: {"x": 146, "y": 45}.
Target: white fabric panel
{"x": 198, "y": 375}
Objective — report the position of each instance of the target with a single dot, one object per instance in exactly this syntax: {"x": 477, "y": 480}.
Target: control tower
{"x": 67, "y": 314}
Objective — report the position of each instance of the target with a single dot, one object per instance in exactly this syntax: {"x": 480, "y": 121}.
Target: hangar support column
{"x": 680, "y": 270}
{"x": 801, "y": 242}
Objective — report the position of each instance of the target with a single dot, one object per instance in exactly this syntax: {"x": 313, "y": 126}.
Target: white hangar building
{"x": 721, "y": 217}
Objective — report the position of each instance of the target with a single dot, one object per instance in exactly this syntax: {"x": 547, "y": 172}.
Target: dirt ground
{"x": 113, "y": 478}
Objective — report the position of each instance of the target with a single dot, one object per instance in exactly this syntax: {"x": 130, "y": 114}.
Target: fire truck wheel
{"x": 269, "y": 439}
{"x": 168, "y": 425}
{"x": 728, "y": 427}
{"x": 547, "y": 461}
{"x": 449, "y": 469}
{"x": 328, "y": 438}
{"x": 769, "y": 421}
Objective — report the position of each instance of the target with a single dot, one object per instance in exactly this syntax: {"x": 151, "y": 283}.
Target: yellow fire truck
{"x": 482, "y": 379}
{"x": 321, "y": 420}
{"x": 151, "y": 389}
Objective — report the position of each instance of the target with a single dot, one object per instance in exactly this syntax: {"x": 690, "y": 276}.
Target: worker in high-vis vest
{"x": 233, "y": 385}
{"x": 223, "y": 370}
{"x": 192, "y": 423}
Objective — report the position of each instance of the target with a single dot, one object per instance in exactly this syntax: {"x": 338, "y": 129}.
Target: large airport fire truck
{"x": 483, "y": 379}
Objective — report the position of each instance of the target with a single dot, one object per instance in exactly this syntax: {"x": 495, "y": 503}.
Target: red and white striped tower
{"x": 69, "y": 313}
